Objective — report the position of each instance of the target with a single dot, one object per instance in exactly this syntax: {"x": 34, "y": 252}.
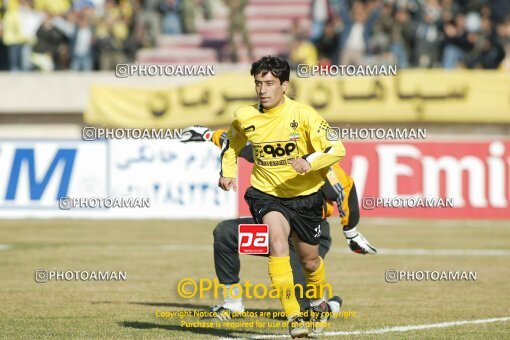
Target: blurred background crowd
{"x": 84, "y": 35}
{"x": 412, "y": 33}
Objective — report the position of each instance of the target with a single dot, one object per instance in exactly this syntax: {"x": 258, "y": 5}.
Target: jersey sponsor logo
{"x": 253, "y": 239}
{"x": 275, "y": 153}
{"x": 282, "y": 149}
{"x": 274, "y": 163}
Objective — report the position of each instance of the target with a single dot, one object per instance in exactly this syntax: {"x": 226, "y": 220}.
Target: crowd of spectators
{"x": 86, "y": 35}
{"x": 408, "y": 33}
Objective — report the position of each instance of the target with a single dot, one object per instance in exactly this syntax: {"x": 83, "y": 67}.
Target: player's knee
{"x": 310, "y": 264}
{"x": 279, "y": 246}
{"x": 220, "y": 232}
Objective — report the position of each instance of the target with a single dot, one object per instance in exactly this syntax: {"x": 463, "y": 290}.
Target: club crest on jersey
{"x": 294, "y": 124}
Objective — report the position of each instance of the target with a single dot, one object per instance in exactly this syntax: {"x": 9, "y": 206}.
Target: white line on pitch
{"x": 392, "y": 329}
{"x": 380, "y": 251}
{"x": 5, "y": 246}
{"x": 445, "y": 252}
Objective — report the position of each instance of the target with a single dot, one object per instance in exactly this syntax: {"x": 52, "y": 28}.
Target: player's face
{"x": 269, "y": 90}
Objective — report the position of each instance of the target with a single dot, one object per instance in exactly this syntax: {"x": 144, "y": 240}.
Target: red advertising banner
{"x": 428, "y": 179}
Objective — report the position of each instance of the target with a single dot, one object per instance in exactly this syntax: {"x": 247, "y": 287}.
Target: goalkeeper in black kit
{"x": 286, "y": 192}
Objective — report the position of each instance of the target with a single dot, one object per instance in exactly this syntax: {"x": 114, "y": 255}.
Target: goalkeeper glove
{"x": 358, "y": 243}
{"x": 196, "y": 133}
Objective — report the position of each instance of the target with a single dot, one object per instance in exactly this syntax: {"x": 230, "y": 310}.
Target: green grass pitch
{"x": 157, "y": 254}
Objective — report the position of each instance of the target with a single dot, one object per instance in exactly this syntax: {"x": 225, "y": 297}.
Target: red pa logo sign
{"x": 253, "y": 239}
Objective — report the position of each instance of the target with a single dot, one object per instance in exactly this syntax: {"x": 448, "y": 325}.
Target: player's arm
{"x": 231, "y": 149}
{"x": 197, "y": 133}
{"x": 339, "y": 187}
{"x": 326, "y": 152}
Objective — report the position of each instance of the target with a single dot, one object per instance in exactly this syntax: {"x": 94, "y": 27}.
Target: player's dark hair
{"x": 278, "y": 67}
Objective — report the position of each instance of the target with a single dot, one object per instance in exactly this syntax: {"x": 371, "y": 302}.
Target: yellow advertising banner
{"x": 412, "y": 96}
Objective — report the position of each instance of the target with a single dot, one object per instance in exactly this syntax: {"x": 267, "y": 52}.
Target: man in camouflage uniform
{"x": 237, "y": 23}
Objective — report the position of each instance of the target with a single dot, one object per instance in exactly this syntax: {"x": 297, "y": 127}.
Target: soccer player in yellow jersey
{"x": 291, "y": 159}
{"x": 339, "y": 188}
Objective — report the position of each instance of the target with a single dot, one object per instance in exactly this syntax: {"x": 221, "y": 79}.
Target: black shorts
{"x": 304, "y": 213}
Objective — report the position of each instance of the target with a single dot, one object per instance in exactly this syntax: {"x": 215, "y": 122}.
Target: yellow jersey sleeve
{"x": 233, "y": 146}
{"x": 326, "y": 152}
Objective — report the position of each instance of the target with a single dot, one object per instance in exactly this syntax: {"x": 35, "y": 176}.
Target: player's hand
{"x": 227, "y": 183}
{"x": 196, "y": 133}
{"x": 300, "y": 165}
{"x": 358, "y": 243}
